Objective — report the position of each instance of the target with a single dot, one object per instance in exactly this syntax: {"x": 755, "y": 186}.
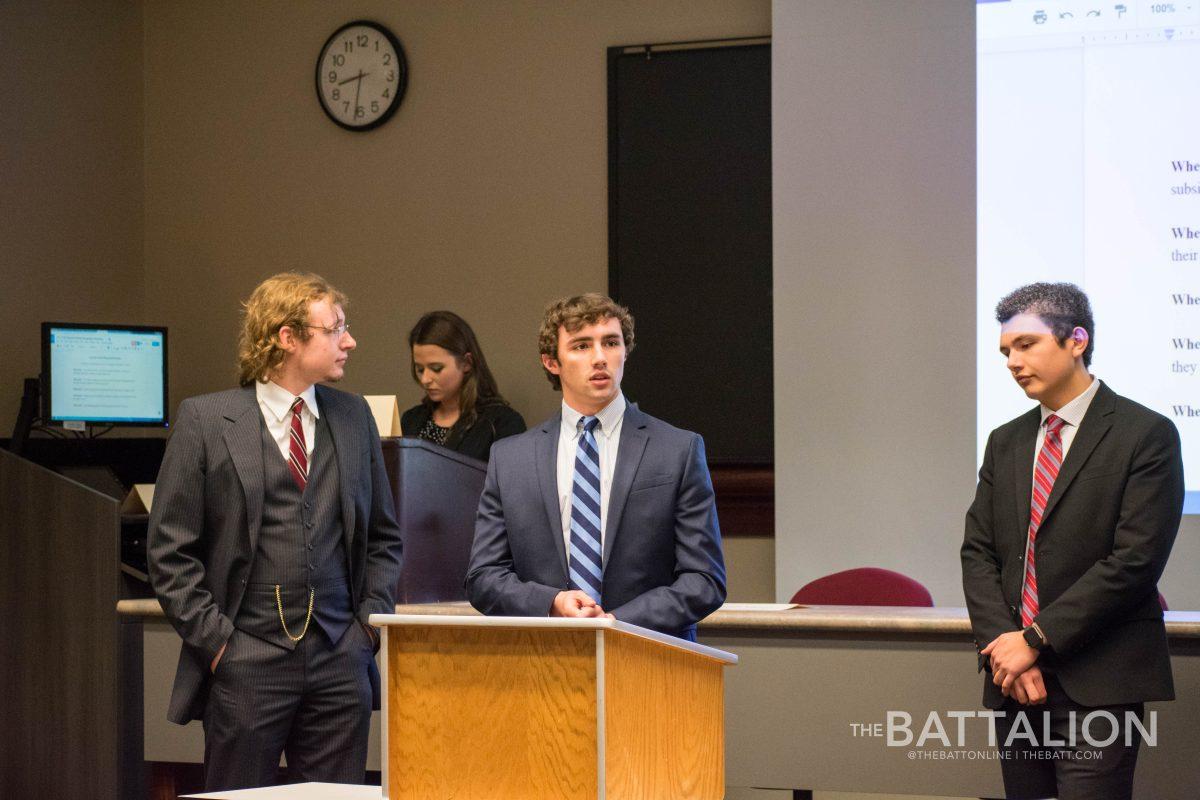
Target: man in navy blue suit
{"x": 602, "y": 510}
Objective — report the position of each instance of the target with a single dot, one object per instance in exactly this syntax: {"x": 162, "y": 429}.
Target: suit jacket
{"x": 1104, "y": 540}
{"x": 208, "y": 509}
{"x": 494, "y": 421}
{"x": 663, "y": 564}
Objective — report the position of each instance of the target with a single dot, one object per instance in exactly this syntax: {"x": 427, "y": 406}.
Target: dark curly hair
{"x": 1062, "y": 306}
{"x": 572, "y": 313}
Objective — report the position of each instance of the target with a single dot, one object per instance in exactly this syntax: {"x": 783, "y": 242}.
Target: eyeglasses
{"x": 344, "y": 327}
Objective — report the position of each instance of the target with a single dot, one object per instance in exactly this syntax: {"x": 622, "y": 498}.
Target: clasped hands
{"x": 574, "y": 603}
{"x": 1014, "y": 668}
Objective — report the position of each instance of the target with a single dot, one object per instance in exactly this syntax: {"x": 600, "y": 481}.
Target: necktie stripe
{"x": 584, "y": 560}
{"x": 580, "y": 511}
{"x": 583, "y": 536}
{"x": 588, "y": 492}
{"x": 300, "y": 469}
{"x": 587, "y": 470}
{"x": 584, "y": 584}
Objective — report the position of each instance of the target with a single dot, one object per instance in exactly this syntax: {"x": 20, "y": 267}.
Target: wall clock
{"x": 361, "y": 75}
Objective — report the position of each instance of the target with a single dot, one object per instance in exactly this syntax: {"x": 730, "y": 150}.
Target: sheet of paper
{"x": 386, "y": 410}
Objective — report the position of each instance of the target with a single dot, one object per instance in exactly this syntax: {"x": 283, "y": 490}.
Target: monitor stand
{"x": 26, "y": 416}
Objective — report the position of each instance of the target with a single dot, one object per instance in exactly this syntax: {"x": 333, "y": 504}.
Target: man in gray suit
{"x": 602, "y": 510}
{"x": 272, "y": 539}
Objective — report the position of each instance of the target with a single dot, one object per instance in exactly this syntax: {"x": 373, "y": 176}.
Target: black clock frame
{"x": 401, "y": 76}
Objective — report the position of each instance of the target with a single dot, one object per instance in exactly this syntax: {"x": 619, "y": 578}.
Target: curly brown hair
{"x": 280, "y": 300}
{"x": 573, "y": 313}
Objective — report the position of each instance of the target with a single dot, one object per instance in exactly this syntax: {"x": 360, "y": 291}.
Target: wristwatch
{"x": 1033, "y": 637}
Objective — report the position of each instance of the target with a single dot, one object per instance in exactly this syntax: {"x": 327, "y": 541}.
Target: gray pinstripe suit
{"x": 206, "y": 556}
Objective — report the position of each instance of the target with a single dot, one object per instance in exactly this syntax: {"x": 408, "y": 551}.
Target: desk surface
{"x": 298, "y": 791}
{"x": 946, "y": 621}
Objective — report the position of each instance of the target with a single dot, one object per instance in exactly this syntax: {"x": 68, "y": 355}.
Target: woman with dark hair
{"x": 462, "y": 408}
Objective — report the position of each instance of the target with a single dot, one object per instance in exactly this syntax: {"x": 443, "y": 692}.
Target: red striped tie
{"x": 1044, "y": 474}
{"x": 297, "y": 452}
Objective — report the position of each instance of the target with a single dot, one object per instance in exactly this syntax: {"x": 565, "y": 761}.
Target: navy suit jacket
{"x": 208, "y": 510}
{"x": 663, "y": 564}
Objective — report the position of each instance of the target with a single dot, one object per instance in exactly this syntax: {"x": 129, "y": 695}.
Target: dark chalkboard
{"x": 690, "y": 238}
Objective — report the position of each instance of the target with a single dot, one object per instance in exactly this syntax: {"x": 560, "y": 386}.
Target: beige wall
{"x": 486, "y": 193}
{"x": 70, "y": 175}
{"x": 169, "y": 155}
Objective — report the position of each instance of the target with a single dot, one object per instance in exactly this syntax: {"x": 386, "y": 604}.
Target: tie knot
{"x": 1054, "y": 423}
{"x": 588, "y": 424}
{"x": 297, "y": 405}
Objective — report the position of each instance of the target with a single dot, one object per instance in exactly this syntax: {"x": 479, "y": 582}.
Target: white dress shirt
{"x": 608, "y": 439}
{"x": 275, "y": 403}
{"x": 1071, "y": 414}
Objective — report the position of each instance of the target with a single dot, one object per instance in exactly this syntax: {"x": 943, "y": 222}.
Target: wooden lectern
{"x": 532, "y": 707}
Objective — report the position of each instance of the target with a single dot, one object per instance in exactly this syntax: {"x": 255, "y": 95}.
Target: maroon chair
{"x": 864, "y": 586}
{"x": 1162, "y": 601}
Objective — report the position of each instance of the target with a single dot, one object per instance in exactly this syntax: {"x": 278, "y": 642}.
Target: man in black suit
{"x": 1077, "y": 507}
{"x": 272, "y": 539}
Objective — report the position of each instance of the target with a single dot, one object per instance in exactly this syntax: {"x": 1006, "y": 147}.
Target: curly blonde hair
{"x": 573, "y": 313}
{"x": 280, "y": 300}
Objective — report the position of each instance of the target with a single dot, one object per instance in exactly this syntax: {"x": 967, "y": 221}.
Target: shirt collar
{"x": 1072, "y": 413}
{"x": 609, "y": 416}
{"x": 278, "y": 400}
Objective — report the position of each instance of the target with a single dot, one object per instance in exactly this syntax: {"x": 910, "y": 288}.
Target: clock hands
{"x": 357, "y": 77}
{"x": 357, "y": 92}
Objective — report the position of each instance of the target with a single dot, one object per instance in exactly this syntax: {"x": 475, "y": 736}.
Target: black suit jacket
{"x": 494, "y": 421}
{"x": 1105, "y": 536}
{"x": 208, "y": 508}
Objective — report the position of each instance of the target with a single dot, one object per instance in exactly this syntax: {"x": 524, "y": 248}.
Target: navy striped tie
{"x": 586, "y": 561}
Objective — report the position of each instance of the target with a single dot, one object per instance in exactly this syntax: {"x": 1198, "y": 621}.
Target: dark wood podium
{"x": 436, "y": 493}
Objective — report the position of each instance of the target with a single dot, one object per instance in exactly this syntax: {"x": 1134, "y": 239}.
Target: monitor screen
{"x": 104, "y": 374}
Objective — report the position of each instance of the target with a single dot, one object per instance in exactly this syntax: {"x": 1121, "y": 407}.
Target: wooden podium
{"x": 532, "y": 707}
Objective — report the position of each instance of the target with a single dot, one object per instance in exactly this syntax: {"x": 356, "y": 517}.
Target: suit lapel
{"x": 343, "y": 437}
{"x": 243, "y": 440}
{"x": 629, "y": 456}
{"x": 1096, "y": 423}
{"x": 546, "y": 460}
{"x": 1023, "y": 466}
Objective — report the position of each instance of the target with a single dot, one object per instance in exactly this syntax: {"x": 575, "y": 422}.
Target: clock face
{"x": 361, "y": 75}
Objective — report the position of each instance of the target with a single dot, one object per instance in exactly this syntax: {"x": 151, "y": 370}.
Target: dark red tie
{"x": 1045, "y": 472}
{"x": 297, "y": 452}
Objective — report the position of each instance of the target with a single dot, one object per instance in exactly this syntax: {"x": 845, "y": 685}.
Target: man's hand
{"x": 574, "y": 603}
{"x": 1029, "y": 689}
{"x": 371, "y": 632}
{"x": 217, "y": 658}
{"x": 1010, "y": 656}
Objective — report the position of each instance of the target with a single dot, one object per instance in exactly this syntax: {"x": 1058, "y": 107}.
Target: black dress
{"x": 492, "y": 421}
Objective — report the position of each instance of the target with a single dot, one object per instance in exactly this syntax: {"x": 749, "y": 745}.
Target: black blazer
{"x": 492, "y": 422}
{"x": 1107, "y": 531}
